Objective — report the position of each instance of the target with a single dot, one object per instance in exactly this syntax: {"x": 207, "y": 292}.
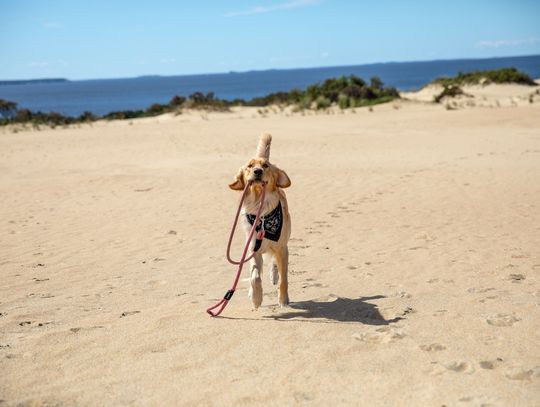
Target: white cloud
{"x": 167, "y": 60}
{"x": 276, "y": 7}
{"x": 507, "y": 43}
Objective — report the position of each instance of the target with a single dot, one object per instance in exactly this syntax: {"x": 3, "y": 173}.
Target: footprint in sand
{"x": 127, "y": 313}
{"x": 519, "y": 256}
{"x": 521, "y": 373}
{"x": 380, "y": 335}
{"x": 490, "y": 364}
{"x": 502, "y": 320}
{"x": 402, "y": 294}
{"x": 456, "y": 366}
{"x": 322, "y": 224}
{"x": 314, "y": 285}
{"x": 474, "y": 290}
{"x": 433, "y": 347}
{"x": 516, "y": 278}
{"x": 440, "y": 312}
{"x": 477, "y": 400}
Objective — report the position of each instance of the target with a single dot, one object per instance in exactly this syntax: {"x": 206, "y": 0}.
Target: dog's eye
{"x": 265, "y": 165}
{"x": 250, "y": 165}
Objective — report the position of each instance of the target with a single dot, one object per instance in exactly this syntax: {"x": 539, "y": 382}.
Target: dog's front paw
{"x": 283, "y": 300}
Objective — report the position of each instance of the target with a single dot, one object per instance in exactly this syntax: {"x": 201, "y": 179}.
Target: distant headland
{"x": 33, "y": 81}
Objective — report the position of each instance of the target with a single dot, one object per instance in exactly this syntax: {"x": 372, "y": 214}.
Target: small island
{"x": 32, "y": 81}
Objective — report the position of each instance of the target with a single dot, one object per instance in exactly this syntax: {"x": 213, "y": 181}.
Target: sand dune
{"x": 493, "y": 95}
{"x": 414, "y": 277}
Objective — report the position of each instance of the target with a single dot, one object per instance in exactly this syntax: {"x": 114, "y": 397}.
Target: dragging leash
{"x": 260, "y": 235}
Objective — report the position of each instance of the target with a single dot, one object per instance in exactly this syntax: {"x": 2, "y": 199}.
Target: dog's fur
{"x": 258, "y": 170}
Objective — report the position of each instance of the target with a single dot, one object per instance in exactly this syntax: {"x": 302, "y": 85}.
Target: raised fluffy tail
{"x": 263, "y": 149}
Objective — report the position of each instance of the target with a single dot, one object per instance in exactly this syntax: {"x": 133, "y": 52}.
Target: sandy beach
{"x": 414, "y": 268}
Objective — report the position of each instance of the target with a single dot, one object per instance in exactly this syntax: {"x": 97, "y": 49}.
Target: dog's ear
{"x": 238, "y": 184}
{"x": 283, "y": 180}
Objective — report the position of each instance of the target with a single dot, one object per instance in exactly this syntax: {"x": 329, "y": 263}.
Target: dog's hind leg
{"x": 282, "y": 261}
{"x": 273, "y": 272}
{"x": 256, "y": 291}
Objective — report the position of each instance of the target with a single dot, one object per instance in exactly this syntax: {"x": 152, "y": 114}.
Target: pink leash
{"x": 228, "y": 295}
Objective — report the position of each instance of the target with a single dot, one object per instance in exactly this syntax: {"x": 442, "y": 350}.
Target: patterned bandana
{"x": 271, "y": 223}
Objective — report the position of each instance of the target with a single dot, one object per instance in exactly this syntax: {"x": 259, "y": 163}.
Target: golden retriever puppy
{"x": 275, "y": 219}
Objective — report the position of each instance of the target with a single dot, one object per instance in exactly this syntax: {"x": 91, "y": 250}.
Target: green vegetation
{"x": 450, "y": 91}
{"x": 7, "y": 109}
{"x": 503, "y": 75}
{"x": 345, "y": 92}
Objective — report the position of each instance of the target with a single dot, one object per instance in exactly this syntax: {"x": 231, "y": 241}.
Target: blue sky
{"x": 120, "y": 38}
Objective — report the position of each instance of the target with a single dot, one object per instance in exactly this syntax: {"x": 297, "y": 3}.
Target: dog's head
{"x": 259, "y": 170}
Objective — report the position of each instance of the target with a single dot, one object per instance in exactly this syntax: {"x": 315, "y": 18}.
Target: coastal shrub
{"x": 23, "y": 116}
{"x": 276, "y": 98}
{"x": 352, "y": 91}
{"x": 503, "y": 75}
{"x": 177, "y": 101}
{"x": 304, "y": 103}
{"x": 376, "y": 83}
{"x": 125, "y": 114}
{"x": 199, "y": 100}
{"x": 346, "y": 91}
{"x": 450, "y": 91}
{"x": 7, "y": 109}
{"x": 343, "y": 101}
{"x": 87, "y": 117}
{"x": 389, "y": 92}
{"x": 322, "y": 103}
{"x": 157, "y": 109}
{"x": 295, "y": 95}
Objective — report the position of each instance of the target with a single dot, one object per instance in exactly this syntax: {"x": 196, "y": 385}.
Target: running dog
{"x": 275, "y": 219}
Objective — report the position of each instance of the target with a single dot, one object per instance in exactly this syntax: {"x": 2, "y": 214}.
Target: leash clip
{"x": 228, "y": 295}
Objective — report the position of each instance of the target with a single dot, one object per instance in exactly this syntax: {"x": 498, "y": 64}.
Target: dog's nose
{"x": 258, "y": 172}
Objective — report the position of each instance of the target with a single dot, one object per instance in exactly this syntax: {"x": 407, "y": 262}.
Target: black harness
{"x": 269, "y": 224}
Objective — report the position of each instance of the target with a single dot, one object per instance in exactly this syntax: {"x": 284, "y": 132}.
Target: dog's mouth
{"x": 257, "y": 180}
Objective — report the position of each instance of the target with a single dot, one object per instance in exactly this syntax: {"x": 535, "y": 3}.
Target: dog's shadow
{"x": 339, "y": 310}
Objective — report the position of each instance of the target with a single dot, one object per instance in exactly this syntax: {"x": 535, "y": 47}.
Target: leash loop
{"x": 220, "y": 306}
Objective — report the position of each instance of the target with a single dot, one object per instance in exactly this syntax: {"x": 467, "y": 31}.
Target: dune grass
{"x": 503, "y": 75}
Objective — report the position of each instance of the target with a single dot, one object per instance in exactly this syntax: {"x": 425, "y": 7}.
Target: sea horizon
{"x": 143, "y": 76}
{"x": 105, "y": 95}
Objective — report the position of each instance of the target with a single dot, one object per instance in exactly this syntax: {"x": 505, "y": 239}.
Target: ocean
{"x": 101, "y": 96}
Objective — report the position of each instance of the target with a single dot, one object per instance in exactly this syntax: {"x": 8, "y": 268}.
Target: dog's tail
{"x": 263, "y": 149}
